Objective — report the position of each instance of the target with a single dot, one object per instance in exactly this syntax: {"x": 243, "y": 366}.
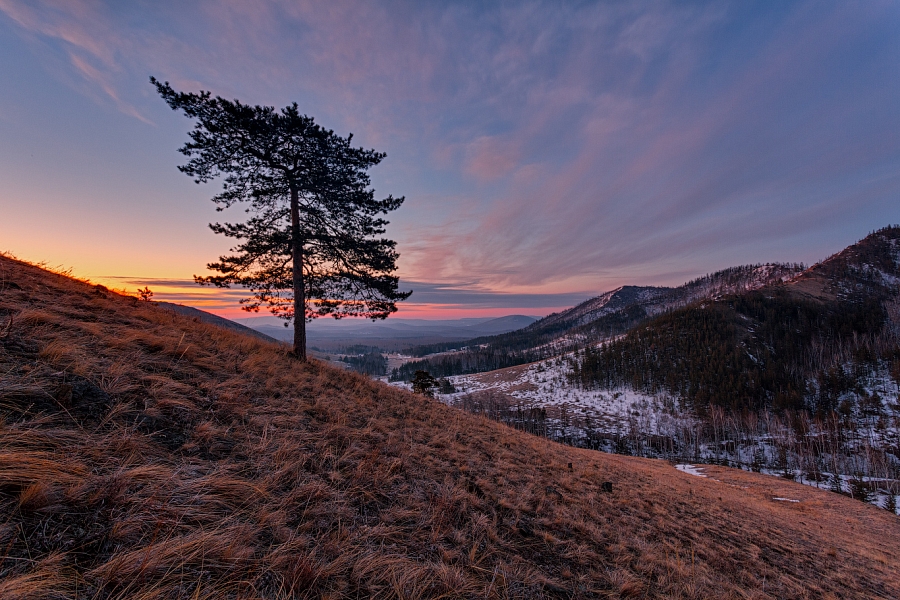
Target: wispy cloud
{"x": 87, "y": 38}
{"x": 543, "y": 145}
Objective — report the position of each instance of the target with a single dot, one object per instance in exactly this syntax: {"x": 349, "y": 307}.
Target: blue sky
{"x": 547, "y": 151}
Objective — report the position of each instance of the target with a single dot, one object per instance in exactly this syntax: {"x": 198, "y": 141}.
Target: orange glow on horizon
{"x": 225, "y": 302}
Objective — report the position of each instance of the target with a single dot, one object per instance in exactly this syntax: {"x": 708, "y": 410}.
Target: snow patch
{"x": 690, "y": 470}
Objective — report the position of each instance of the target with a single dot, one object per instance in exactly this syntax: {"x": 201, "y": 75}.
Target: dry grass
{"x": 145, "y": 455}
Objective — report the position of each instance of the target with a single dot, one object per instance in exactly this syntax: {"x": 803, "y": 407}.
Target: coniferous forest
{"x": 759, "y": 350}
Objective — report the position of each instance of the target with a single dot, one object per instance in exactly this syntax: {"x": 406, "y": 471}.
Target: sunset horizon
{"x": 545, "y": 156}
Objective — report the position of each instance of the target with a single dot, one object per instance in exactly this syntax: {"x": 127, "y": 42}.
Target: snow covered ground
{"x": 647, "y": 425}
{"x": 544, "y": 384}
{"x": 695, "y": 470}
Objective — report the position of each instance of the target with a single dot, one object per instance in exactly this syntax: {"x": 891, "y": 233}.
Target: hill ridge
{"x": 210, "y": 318}
{"x": 143, "y": 454}
{"x": 805, "y": 344}
{"x": 602, "y": 317}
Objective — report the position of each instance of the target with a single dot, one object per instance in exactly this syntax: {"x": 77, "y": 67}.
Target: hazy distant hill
{"x": 212, "y": 319}
{"x": 393, "y": 333}
{"x": 144, "y": 454}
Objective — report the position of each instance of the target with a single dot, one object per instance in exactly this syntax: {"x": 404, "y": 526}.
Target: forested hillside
{"x": 605, "y": 316}
{"x": 806, "y": 344}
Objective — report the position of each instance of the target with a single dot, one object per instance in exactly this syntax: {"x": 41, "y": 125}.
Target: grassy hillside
{"x": 147, "y": 455}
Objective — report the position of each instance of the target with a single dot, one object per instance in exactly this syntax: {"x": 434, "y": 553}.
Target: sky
{"x": 547, "y": 151}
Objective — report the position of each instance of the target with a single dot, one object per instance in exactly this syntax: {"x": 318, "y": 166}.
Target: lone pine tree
{"x": 310, "y": 247}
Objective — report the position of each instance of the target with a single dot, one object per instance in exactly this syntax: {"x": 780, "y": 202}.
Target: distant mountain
{"x": 814, "y": 342}
{"x": 503, "y": 324}
{"x": 608, "y": 315}
{"x": 648, "y": 301}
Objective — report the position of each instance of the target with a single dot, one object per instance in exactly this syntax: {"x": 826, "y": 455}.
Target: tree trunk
{"x": 299, "y": 286}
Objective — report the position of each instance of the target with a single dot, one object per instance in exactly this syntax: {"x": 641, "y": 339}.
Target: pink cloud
{"x": 539, "y": 144}
{"x": 488, "y": 158}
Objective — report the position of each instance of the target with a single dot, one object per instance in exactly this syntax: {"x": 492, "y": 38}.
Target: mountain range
{"x": 808, "y": 342}
{"x": 603, "y": 317}
{"x": 715, "y": 325}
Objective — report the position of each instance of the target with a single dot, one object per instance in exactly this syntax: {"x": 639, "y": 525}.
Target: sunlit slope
{"x": 146, "y": 455}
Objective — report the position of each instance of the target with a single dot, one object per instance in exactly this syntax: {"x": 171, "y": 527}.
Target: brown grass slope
{"x": 145, "y": 455}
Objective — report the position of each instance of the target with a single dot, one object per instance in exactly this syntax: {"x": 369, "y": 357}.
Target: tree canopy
{"x": 311, "y": 246}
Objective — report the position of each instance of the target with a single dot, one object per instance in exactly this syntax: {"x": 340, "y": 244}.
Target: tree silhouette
{"x": 310, "y": 247}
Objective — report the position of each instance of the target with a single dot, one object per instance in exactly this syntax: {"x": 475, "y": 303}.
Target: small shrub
{"x": 861, "y": 489}
{"x": 891, "y": 503}
{"x": 836, "y": 484}
{"x": 424, "y": 383}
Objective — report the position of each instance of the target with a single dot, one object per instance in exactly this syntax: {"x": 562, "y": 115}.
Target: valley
{"x": 774, "y": 368}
